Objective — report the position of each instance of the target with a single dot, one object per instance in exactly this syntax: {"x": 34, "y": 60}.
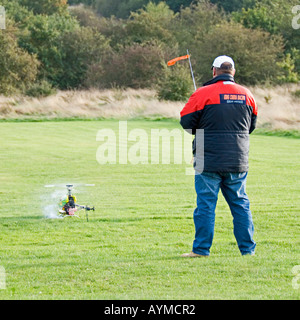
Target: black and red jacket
{"x": 227, "y": 112}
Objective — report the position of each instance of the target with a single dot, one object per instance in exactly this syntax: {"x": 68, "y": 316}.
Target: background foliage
{"x": 109, "y": 43}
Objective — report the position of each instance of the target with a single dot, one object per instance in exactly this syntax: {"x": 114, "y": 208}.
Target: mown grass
{"x": 131, "y": 246}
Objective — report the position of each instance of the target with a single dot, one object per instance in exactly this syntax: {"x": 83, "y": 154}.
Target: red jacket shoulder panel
{"x": 197, "y": 101}
{"x": 210, "y": 94}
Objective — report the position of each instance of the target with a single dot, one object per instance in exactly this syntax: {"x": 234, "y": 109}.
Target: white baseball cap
{"x": 220, "y": 60}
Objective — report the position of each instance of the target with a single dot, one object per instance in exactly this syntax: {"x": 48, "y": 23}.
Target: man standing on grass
{"x": 227, "y": 113}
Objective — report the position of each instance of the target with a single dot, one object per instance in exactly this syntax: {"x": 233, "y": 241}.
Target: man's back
{"x": 227, "y": 113}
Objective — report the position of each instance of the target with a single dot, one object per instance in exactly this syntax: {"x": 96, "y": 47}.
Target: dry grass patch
{"x": 279, "y": 107}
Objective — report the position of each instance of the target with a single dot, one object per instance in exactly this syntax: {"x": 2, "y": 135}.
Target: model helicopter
{"x": 68, "y": 207}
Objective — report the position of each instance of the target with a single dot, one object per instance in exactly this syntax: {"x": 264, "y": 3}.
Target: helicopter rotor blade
{"x": 69, "y": 184}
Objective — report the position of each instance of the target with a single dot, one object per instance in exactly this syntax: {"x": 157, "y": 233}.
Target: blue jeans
{"x": 233, "y": 187}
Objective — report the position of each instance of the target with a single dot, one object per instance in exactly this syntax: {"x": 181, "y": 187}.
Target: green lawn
{"x": 131, "y": 246}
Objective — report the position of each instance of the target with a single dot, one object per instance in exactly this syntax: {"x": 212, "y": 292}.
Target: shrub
{"x": 16, "y": 12}
{"x": 64, "y": 48}
{"x": 42, "y": 38}
{"x": 78, "y": 50}
{"x": 120, "y": 9}
{"x": 274, "y": 17}
{"x": 45, "y": 6}
{"x": 123, "y": 9}
{"x": 136, "y": 66}
{"x": 152, "y": 23}
{"x": 18, "y": 68}
{"x": 40, "y": 89}
{"x": 289, "y": 74}
{"x": 194, "y": 22}
{"x": 255, "y": 53}
{"x": 176, "y": 83}
{"x": 296, "y": 94}
{"x": 112, "y": 28}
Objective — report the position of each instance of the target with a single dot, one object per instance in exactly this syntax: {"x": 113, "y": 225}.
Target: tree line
{"x": 75, "y": 44}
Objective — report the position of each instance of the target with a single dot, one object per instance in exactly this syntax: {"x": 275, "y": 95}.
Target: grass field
{"x": 131, "y": 246}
